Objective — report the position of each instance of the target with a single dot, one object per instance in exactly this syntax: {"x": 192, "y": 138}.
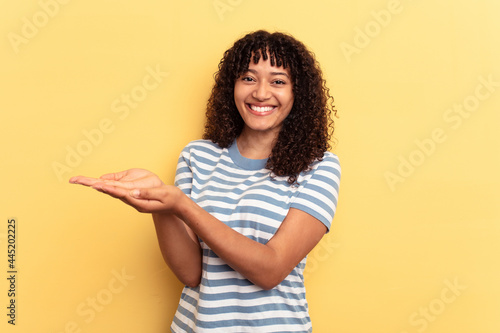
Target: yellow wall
{"x": 415, "y": 243}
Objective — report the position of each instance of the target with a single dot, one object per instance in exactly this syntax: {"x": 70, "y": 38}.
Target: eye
{"x": 247, "y": 78}
{"x": 279, "y": 82}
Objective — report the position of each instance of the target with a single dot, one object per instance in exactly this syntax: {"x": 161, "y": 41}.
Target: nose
{"x": 261, "y": 92}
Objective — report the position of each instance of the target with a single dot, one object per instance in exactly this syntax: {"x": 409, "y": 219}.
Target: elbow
{"x": 270, "y": 274}
{"x": 268, "y": 285}
{"x": 191, "y": 282}
{"x": 269, "y": 281}
{"x": 192, "y": 285}
{"x": 190, "y": 279}
{"x": 188, "y": 275}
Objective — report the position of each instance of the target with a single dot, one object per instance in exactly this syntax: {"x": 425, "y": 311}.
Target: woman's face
{"x": 264, "y": 97}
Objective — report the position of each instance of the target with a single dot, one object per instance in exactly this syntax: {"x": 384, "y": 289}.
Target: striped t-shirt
{"x": 241, "y": 193}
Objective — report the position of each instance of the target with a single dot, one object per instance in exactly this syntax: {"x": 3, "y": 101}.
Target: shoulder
{"x": 205, "y": 155}
{"x": 197, "y": 156}
{"x": 202, "y": 147}
{"x": 318, "y": 189}
{"x": 328, "y": 163}
{"x": 323, "y": 172}
{"x": 201, "y": 144}
{"x": 330, "y": 157}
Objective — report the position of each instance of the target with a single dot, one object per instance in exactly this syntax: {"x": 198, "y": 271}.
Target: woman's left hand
{"x": 138, "y": 188}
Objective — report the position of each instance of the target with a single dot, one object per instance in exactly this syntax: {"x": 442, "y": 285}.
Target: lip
{"x": 259, "y": 113}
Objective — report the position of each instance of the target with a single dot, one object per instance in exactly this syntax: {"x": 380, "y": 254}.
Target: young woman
{"x": 252, "y": 198}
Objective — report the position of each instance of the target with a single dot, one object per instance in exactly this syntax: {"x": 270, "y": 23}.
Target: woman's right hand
{"x": 120, "y": 184}
{"x": 138, "y": 188}
{"x": 128, "y": 179}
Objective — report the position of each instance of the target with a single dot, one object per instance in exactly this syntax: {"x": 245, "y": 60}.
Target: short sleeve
{"x": 318, "y": 189}
{"x": 184, "y": 172}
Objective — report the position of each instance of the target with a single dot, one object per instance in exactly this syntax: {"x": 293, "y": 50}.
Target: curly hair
{"x": 305, "y": 134}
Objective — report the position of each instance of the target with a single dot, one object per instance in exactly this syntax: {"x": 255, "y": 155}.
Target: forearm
{"x": 258, "y": 262}
{"x": 181, "y": 252}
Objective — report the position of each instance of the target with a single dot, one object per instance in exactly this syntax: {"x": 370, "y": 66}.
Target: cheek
{"x": 238, "y": 95}
{"x": 289, "y": 105}
{"x": 286, "y": 96}
{"x": 287, "y": 100}
{"x": 239, "y": 102}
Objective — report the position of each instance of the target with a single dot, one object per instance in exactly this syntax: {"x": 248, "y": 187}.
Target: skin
{"x": 179, "y": 221}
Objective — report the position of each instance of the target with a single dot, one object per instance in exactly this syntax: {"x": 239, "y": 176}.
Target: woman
{"x": 252, "y": 198}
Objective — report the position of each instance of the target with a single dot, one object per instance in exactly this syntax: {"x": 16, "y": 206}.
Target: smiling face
{"x": 264, "y": 98}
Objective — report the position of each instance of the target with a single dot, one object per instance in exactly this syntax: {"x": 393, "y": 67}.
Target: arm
{"x": 179, "y": 245}
{"x": 266, "y": 265}
{"x": 180, "y": 248}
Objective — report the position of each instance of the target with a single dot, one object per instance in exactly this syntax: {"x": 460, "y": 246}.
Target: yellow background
{"x": 397, "y": 244}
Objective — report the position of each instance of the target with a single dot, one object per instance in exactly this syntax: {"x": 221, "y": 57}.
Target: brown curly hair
{"x": 305, "y": 134}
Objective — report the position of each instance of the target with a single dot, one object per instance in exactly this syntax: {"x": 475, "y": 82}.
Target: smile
{"x": 261, "y": 109}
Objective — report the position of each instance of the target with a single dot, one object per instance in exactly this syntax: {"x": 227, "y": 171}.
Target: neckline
{"x": 244, "y": 162}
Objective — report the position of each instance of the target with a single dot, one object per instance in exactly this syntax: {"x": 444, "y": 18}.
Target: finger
{"x": 141, "y": 205}
{"x": 124, "y": 184}
{"x": 114, "y": 175}
{"x": 154, "y": 193}
{"x": 114, "y": 191}
{"x": 87, "y": 181}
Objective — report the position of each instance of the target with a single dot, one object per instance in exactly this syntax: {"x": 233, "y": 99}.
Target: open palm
{"x": 128, "y": 179}
{"x": 138, "y": 188}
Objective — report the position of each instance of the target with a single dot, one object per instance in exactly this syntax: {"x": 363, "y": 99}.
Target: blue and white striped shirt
{"x": 241, "y": 193}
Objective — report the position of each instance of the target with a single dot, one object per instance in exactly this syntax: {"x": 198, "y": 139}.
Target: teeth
{"x": 261, "y": 109}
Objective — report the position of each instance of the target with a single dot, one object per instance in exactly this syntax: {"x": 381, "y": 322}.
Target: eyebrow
{"x": 272, "y": 73}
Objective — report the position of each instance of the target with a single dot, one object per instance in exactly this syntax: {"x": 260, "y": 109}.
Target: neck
{"x": 254, "y": 145}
